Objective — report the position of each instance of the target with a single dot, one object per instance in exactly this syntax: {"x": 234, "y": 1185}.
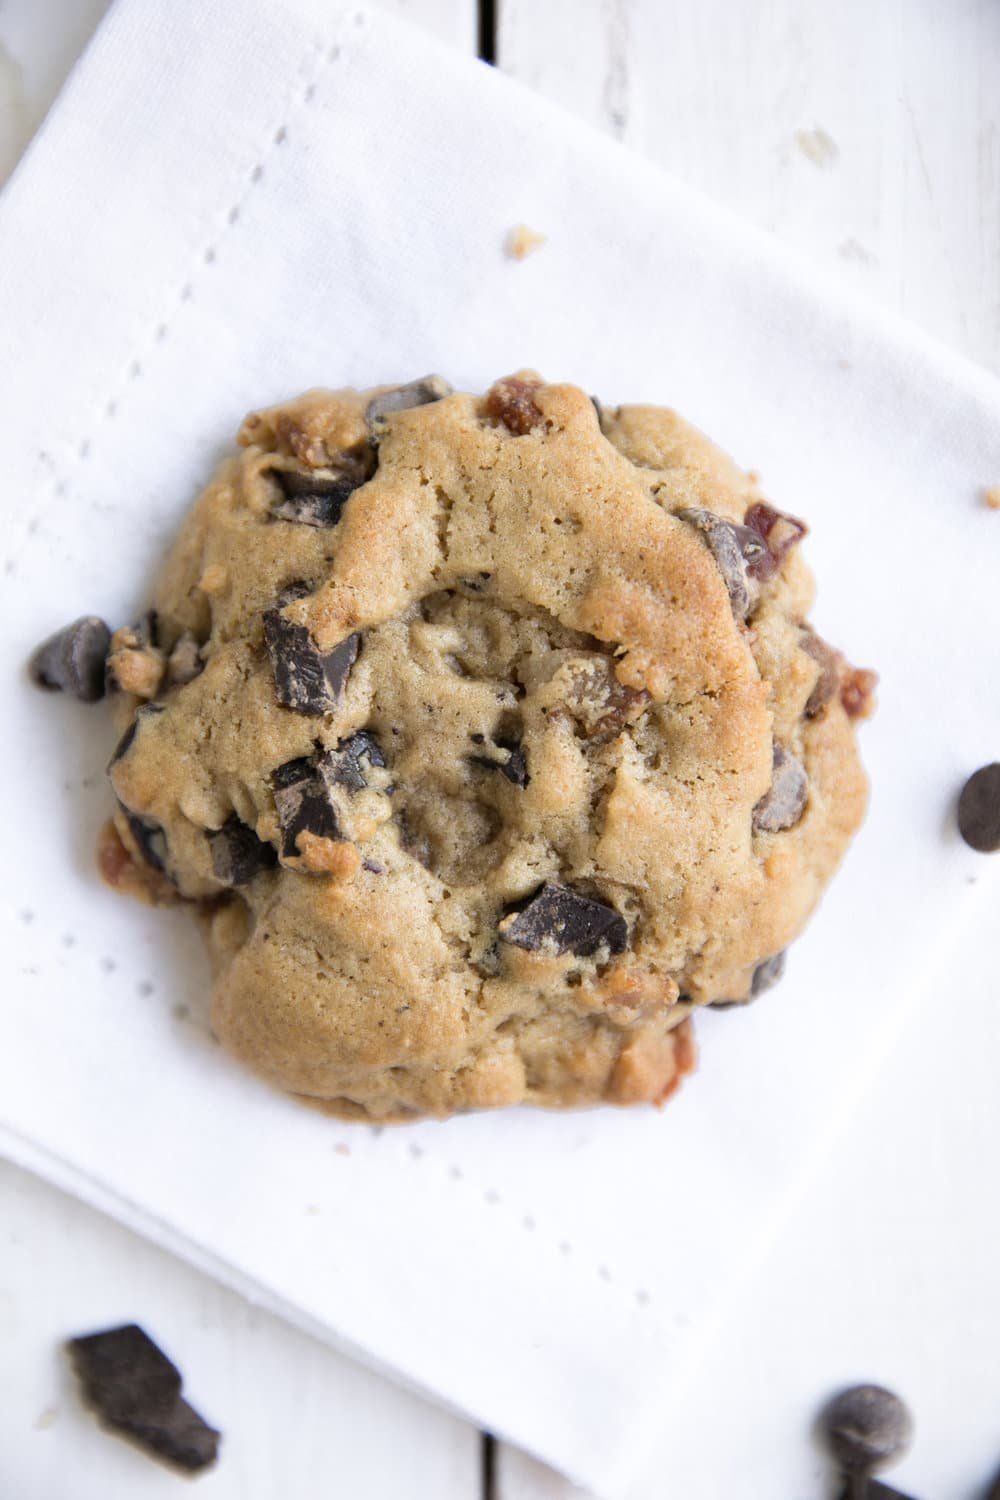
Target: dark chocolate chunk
{"x": 345, "y": 765}
{"x": 72, "y": 660}
{"x": 238, "y": 854}
{"x": 511, "y": 762}
{"x": 184, "y": 663}
{"x": 779, "y": 533}
{"x": 783, "y": 805}
{"x": 561, "y": 920}
{"x": 302, "y": 798}
{"x": 136, "y": 1391}
{"x": 979, "y": 810}
{"x": 737, "y": 551}
{"x": 312, "y": 499}
{"x": 150, "y": 838}
{"x": 830, "y": 664}
{"x": 866, "y": 1427}
{"x": 123, "y": 746}
{"x": 403, "y": 397}
{"x": 305, "y": 678}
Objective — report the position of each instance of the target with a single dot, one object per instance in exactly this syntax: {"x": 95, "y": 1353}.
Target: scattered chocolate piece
{"x": 72, "y": 660}
{"x": 238, "y": 854}
{"x": 403, "y": 397}
{"x": 866, "y": 1427}
{"x": 136, "y": 1390}
{"x": 558, "y": 918}
{"x": 345, "y": 765}
{"x": 511, "y": 401}
{"x": 979, "y": 810}
{"x": 514, "y": 767}
{"x": 305, "y": 678}
{"x": 184, "y": 663}
{"x": 738, "y": 552}
{"x": 144, "y": 711}
{"x": 783, "y": 805}
{"x": 302, "y": 798}
{"x": 779, "y": 533}
{"x": 312, "y": 499}
{"x": 830, "y": 666}
{"x": 857, "y": 692}
{"x": 149, "y": 837}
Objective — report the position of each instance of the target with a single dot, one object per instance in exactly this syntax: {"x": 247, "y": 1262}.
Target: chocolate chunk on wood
{"x": 136, "y": 1391}
{"x": 979, "y": 810}
{"x": 866, "y": 1427}
{"x": 510, "y": 762}
{"x": 783, "y": 805}
{"x": 312, "y": 499}
{"x": 346, "y": 766}
{"x": 124, "y": 745}
{"x": 403, "y": 397}
{"x": 305, "y": 678}
{"x": 302, "y": 798}
{"x": 562, "y": 921}
{"x": 238, "y": 854}
{"x": 72, "y": 660}
{"x": 737, "y": 551}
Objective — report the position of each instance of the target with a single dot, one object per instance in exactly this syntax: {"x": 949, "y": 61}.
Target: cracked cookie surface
{"x": 490, "y": 733}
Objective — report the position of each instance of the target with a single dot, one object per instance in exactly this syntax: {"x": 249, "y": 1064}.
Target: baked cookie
{"x": 491, "y": 736}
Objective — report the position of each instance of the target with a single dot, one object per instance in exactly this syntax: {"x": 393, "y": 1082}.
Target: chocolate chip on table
{"x": 979, "y": 810}
{"x": 403, "y": 397}
{"x": 511, "y": 762}
{"x": 782, "y": 806}
{"x": 238, "y": 854}
{"x": 302, "y": 798}
{"x": 136, "y": 1391}
{"x": 306, "y": 678}
{"x": 737, "y": 551}
{"x": 561, "y": 920}
{"x": 866, "y": 1427}
{"x": 185, "y": 662}
{"x": 312, "y": 499}
{"x": 72, "y": 660}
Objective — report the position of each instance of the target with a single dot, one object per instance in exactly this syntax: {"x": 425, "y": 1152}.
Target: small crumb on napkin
{"x": 522, "y": 240}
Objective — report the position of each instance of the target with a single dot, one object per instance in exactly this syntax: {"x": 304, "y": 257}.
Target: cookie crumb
{"x": 818, "y": 146}
{"x": 991, "y": 497}
{"x": 522, "y": 241}
{"x": 45, "y": 1419}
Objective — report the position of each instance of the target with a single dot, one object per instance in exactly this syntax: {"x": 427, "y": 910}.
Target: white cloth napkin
{"x": 233, "y": 202}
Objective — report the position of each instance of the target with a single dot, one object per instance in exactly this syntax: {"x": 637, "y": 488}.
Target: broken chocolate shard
{"x": 404, "y": 397}
{"x": 346, "y": 764}
{"x": 737, "y": 551}
{"x": 304, "y": 805}
{"x": 238, "y": 854}
{"x": 72, "y": 660}
{"x": 127, "y": 740}
{"x": 136, "y": 1391}
{"x": 562, "y": 921}
{"x": 782, "y": 806}
{"x": 511, "y": 762}
{"x": 311, "y": 499}
{"x": 305, "y": 678}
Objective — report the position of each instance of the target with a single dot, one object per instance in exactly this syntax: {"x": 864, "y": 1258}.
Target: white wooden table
{"x": 867, "y": 133}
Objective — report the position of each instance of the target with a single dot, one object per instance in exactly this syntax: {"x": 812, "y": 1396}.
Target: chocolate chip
{"x": 767, "y": 974}
{"x": 866, "y": 1427}
{"x": 737, "y": 551}
{"x": 72, "y": 660}
{"x": 830, "y": 664}
{"x": 979, "y": 810}
{"x": 562, "y": 921}
{"x": 783, "y": 805}
{"x": 136, "y": 1391}
{"x": 312, "y": 499}
{"x": 149, "y": 837}
{"x": 510, "y": 762}
{"x": 403, "y": 397}
{"x": 184, "y": 663}
{"x": 346, "y": 764}
{"x": 305, "y": 678}
{"x": 143, "y": 712}
{"x": 238, "y": 854}
{"x": 302, "y": 798}
{"x": 779, "y": 533}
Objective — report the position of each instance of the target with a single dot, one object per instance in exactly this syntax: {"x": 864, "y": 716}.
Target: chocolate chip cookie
{"x": 490, "y": 736}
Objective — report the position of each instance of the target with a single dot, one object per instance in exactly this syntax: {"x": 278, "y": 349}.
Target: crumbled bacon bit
{"x": 512, "y": 402}
{"x": 779, "y": 533}
{"x": 857, "y": 692}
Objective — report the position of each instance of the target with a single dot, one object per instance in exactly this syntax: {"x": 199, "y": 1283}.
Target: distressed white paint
{"x": 866, "y": 134}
